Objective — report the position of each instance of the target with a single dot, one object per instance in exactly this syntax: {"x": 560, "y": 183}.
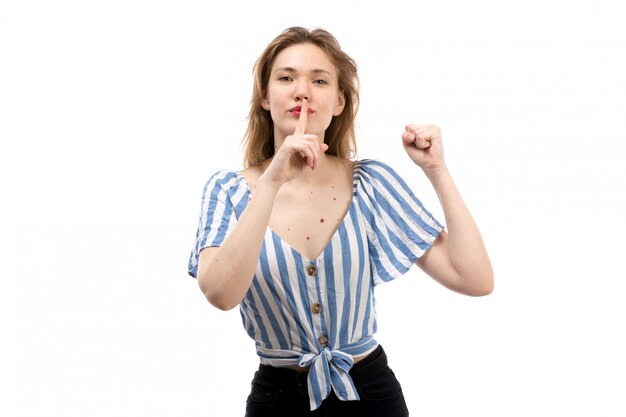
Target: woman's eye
{"x": 284, "y": 78}
{"x": 320, "y": 82}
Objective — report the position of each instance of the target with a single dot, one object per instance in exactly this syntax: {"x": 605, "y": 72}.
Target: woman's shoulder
{"x": 250, "y": 176}
{"x": 373, "y": 167}
{"x": 379, "y": 178}
{"x": 226, "y": 180}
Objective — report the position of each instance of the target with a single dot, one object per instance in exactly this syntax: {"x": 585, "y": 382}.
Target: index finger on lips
{"x": 302, "y": 120}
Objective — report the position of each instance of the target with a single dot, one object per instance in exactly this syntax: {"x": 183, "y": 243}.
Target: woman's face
{"x": 302, "y": 71}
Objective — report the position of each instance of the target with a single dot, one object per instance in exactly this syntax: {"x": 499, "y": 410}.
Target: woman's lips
{"x": 297, "y": 110}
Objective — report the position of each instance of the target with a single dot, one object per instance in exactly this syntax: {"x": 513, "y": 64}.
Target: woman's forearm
{"x": 466, "y": 249}
{"x": 225, "y": 273}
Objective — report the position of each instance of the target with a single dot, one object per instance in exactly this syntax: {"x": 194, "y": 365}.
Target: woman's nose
{"x": 302, "y": 91}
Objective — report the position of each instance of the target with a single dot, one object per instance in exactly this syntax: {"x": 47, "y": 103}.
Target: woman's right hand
{"x": 297, "y": 151}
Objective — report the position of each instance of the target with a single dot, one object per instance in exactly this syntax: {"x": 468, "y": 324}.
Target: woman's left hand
{"x": 423, "y": 145}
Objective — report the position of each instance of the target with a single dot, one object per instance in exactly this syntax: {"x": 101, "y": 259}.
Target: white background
{"x": 113, "y": 114}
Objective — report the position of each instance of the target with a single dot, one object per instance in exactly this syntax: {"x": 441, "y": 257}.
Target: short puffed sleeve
{"x": 399, "y": 229}
{"x": 224, "y": 198}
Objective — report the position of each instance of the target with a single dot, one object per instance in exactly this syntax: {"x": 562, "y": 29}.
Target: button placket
{"x": 323, "y": 341}
{"x": 317, "y": 313}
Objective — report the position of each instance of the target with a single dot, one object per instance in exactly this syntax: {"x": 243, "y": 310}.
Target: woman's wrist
{"x": 267, "y": 183}
{"x": 436, "y": 174}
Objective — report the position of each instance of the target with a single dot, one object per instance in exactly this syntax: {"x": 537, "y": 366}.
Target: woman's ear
{"x": 265, "y": 103}
{"x": 341, "y": 103}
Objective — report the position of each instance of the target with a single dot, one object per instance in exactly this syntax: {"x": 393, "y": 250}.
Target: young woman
{"x": 300, "y": 238}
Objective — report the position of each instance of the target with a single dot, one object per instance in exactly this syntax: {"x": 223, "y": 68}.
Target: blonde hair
{"x": 258, "y": 140}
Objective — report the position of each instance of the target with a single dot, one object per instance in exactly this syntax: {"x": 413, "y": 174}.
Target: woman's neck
{"x": 328, "y": 168}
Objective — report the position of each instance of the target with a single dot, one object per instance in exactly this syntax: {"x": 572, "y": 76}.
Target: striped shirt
{"x": 320, "y": 312}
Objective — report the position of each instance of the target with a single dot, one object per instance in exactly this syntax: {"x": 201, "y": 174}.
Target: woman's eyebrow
{"x": 320, "y": 71}
{"x": 291, "y": 69}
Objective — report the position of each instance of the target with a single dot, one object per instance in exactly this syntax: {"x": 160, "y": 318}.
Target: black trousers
{"x": 281, "y": 392}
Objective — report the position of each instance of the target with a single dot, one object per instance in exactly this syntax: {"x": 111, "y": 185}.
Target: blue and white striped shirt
{"x": 320, "y": 312}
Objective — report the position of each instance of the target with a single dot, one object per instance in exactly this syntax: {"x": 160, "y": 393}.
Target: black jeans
{"x": 280, "y": 392}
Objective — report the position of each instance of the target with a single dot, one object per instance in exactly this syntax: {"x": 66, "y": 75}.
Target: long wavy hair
{"x": 340, "y": 136}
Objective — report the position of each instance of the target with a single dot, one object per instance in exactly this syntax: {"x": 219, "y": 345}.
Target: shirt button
{"x": 323, "y": 341}
{"x": 311, "y": 270}
{"x": 316, "y": 308}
